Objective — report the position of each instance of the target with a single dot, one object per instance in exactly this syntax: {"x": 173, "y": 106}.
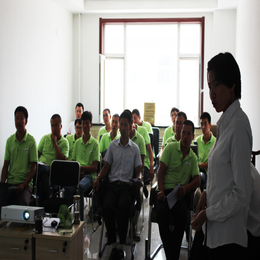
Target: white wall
{"x": 248, "y": 57}
{"x": 36, "y": 50}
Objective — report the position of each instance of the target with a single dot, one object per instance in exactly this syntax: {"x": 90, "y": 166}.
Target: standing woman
{"x": 225, "y": 203}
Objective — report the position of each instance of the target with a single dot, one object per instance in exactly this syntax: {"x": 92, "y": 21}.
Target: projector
{"x": 21, "y": 214}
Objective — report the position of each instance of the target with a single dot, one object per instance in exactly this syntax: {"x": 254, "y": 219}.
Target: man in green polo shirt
{"x": 51, "y": 147}
{"x": 86, "y": 153}
{"x": 107, "y": 121}
{"x": 107, "y": 138}
{"x": 19, "y": 161}
{"x": 169, "y": 131}
{"x": 138, "y": 121}
{"x": 205, "y": 141}
{"x": 178, "y": 165}
{"x": 148, "y": 173}
{"x": 73, "y": 138}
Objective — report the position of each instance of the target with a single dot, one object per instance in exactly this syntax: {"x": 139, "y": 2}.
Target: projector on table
{"x": 21, "y": 214}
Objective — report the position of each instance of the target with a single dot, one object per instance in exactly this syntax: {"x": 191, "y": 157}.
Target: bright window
{"x": 152, "y": 61}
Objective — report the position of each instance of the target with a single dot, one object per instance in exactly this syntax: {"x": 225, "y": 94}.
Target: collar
{"x": 89, "y": 140}
{"x": 24, "y": 138}
{"x": 179, "y": 149}
{"x": 226, "y": 117}
{"x": 135, "y": 135}
{"x": 119, "y": 142}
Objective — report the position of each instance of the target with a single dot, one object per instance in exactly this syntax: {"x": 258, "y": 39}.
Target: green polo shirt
{"x": 148, "y": 126}
{"x": 106, "y": 140}
{"x": 46, "y": 148}
{"x": 178, "y": 170}
{"x": 203, "y": 148}
{"x": 71, "y": 140}
{"x": 20, "y": 155}
{"x": 139, "y": 140}
{"x": 86, "y": 154}
{"x": 143, "y": 131}
{"x": 101, "y": 131}
{"x": 168, "y": 132}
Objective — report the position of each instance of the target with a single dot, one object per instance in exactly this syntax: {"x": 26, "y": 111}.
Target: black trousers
{"x": 172, "y": 238}
{"x": 253, "y": 247}
{"x": 117, "y": 203}
{"x": 228, "y": 252}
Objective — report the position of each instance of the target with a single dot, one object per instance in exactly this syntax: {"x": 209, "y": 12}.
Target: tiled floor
{"x": 91, "y": 243}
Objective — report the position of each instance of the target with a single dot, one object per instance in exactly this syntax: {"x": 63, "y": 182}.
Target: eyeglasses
{"x": 78, "y": 127}
{"x": 106, "y": 115}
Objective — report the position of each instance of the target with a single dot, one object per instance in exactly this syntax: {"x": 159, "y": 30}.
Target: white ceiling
{"x": 146, "y": 6}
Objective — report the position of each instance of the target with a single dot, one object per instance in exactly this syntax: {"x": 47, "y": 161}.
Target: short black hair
{"x": 226, "y": 71}
{"x": 23, "y": 110}
{"x": 116, "y": 115}
{"x": 136, "y": 111}
{"x": 87, "y": 115}
{"x": 188, "y": 122}
{"x": 78, "y": 120}
{"x": 205, "y": 115}
{"x": 181, "y": 114}
{"x": 126, "y": 114}
{"x": 79, "y": 105}
{"x": 174, "y": 109}
{"x": 108, "y": 110}
{"x": 56, "y": 116}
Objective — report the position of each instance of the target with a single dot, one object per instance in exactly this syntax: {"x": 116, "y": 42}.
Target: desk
{"x": 15, "y": 244}
{"x": 55, "y": 246}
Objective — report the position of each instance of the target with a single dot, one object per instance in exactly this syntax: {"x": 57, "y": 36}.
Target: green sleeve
{"x": 7, "y": 151}
{"x": 96, "y": 152}
{"x": 195, "y": 166}
{"x": 41, "y": 144}
{"x": 65, "y": 147}
{"x": 165, "y": 155}
{"x": 33, "y": 152}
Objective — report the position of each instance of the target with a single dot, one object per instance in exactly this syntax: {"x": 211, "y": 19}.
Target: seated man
{"x": 19, "y": 161}
{"x": 73, "y": 138}
{"x": 169, "y": 131}
{"x": 107, "y": 121}
{"x": 179, "y": 119}
{"x": 79, "y": 108}
{"x": 138, "y": 121}
{"x": 121, "y": 160}
{"x": 86, "y": 153}
{"x": 205, "y": 141}
{"x": 177, "y": 166}
{"x": 51, "y": 147}
{"x": 148, "y": 161}
{"x": 107, "y": 138}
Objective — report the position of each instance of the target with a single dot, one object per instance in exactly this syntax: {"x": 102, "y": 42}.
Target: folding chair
{"x": 153, "y": 219}
{"x": 62, "y": 173}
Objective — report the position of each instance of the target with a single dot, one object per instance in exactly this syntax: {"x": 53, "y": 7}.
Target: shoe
{"x": 145, "y": 191}
{"x": 114, "y": 254}
{"x": 120, "y": 255}
{"x": 136, "y": 237}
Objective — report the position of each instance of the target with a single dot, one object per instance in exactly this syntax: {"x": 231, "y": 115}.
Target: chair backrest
{"x": 253, "y": 155}
{"x": 156, "y": 135}
{"x": 151, "y": 139}
{"x": 64, "y": 173}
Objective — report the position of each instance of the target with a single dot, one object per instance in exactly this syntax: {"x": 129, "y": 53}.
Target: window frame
{"x": 197, "y": 20}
